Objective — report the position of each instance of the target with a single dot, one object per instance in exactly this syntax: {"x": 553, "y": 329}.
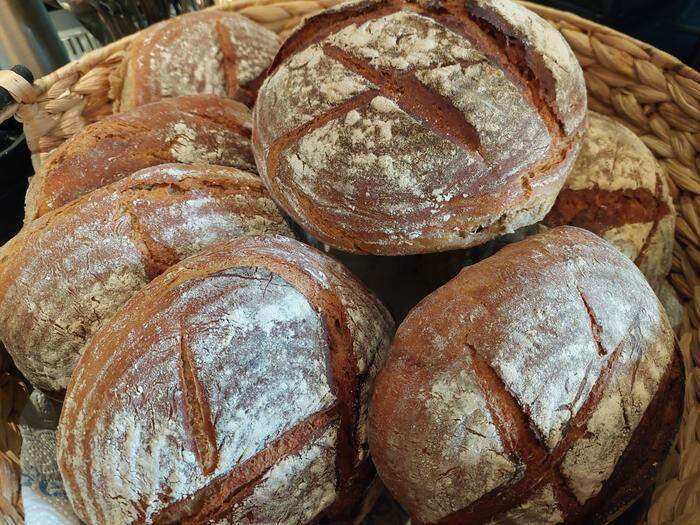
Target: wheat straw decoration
{"x": 651, "y": 92}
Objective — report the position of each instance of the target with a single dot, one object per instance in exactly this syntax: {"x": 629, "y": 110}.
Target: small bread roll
{"x": 215, "y": 52}
{"x": 190, "y": 129}
{"x": 399, "y": 127}
{"x": 618, "y": 190}
{"x": 540, "y": 385}
{"x": 232, "y": 389}
{"x": 66, "y": 273}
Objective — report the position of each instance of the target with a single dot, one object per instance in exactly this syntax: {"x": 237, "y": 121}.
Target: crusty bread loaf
{"x": 190, "y": 129}
{"x": 617, "y": 190}
{"x": 231, "y": 389}
{"x": 216, "y": 52}
{"x": 66, "y": 273}
{"x": 393, "y": 127}
{"x": 540, "y": 385}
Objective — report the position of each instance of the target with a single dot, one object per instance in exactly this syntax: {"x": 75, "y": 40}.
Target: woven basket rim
{"x": 662, "y": 108}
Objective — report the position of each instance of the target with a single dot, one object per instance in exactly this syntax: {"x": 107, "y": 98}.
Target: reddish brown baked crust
{"x": 161, "y": 330}
{"x": 617, "y": 190}
{"x": 393, "y": 127}
{"x": 66, "y": 273}
{"x": 215, "y": 52}
{"x": 190, "y": 129}
{"x": 502, "y": 390}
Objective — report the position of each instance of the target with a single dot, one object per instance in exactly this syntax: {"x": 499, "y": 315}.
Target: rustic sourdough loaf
{"x": 617, "y": 190}
{"x": 66, "y": 273}
{"x": 394, "y": 127}
{"x": 191, "y": 129}
{"x": 231, "y": 389}
{"x": 540, "y": 385}
{"x": 214, "y": 52}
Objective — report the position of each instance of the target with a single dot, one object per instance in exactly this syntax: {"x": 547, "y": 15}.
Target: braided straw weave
{"x": 648, "y": 90}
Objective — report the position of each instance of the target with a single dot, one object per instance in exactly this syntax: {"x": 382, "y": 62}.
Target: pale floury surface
{"x": 214, "y": 52}
{"x": 516, "y": 388}
{"x": 618, "y": 190}
{"x": 191, "y": 129}
{"x": 246, "y": 370}
{"x": 66, "y": 273}
{"x": 404, "y": 128}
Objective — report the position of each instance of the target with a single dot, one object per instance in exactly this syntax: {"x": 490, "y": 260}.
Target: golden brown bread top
{"x": 190, "y": 129}
{"x": 537, "y": 377}
{"x": 66, "y": 273}
{"x": 243, "y": 373}
{"x": 394, "y": 127}
{"x": 215, "y": 52}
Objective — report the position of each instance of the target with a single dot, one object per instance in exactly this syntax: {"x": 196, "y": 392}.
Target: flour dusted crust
{"x": 215, "y": 52}
{"x": 617, "y": 190}
{"x": 189, "y": 129}
{"x": 541, "y": 381}
{"x": 66, "y": 273}
{"x": 227, "y": 390}
{"x": 396, "y": 127}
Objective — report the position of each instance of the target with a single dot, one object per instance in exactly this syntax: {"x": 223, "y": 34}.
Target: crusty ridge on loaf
{"x": 617, "y": 190}
{"x": 573, "y": 412}
{"x": 428, "y": 161}
{"x": 189, "y": 129}
{"x": 215, "y": 52}
{"x": 67, "y": 272}
{"x": 311, "y": 402}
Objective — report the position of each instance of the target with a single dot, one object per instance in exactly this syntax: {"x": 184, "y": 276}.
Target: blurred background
{"x": 45, "y": 34}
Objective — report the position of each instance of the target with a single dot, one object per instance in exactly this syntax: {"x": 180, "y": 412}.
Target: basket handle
{"x": 15, "y": 87}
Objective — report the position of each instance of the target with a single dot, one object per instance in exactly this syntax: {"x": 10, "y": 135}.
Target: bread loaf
{"x": 540, "y": 385}
{"x": 67, "y": 273}
{"x": 190, "y": 129}
{"x": 394, "y": 127}
{"x": 231, "y": 389}
{"x": 216, "y": 52}
{"x": 617, "y": 190}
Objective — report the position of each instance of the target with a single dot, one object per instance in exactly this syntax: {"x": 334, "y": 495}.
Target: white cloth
{"x": 43, "y": 496}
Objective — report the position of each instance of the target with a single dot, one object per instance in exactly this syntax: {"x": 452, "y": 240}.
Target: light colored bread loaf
{"x": 66, "y": 273}
{"x": 190, "y": 129}
{"x": 215, "y": 52}
{"x": 394, "y": 127}
{"x": 231, "y": 389}
{"x": 618, "y": 190}
{"x": 540, "y": 385}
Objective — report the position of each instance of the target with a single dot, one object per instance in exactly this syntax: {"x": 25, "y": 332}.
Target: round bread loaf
{"x": 232, "y": 389}
{"x": 618, "y": 190}
{"x": 191, "y": 129}
{"x": 215, "y": 52}
{"x": 394, "y": 127}
{"x": 540, "y": 385}
{"x": 66, "y": 273}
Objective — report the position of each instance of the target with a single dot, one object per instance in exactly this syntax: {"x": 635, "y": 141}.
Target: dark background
{"x": 671, "y": 25}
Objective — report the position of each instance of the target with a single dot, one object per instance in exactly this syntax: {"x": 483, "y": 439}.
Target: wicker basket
{"x": 648, "y": 90}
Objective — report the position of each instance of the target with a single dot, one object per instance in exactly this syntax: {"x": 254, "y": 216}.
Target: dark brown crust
{"x": 434, "y": 111}
{"x": 217, "y": 499}
{"x": 140, "y": 86}
{"x": 414, "y": 364}
{"x": 277, "y": 255}
{"x": 121, "y": 144}
{"x": 509, "y": 53}
{"x": 229, "y": 60}
{"x": 477, "y": 217}
{"x": 600, "y": 210}
{"x": 199, "y": 420}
